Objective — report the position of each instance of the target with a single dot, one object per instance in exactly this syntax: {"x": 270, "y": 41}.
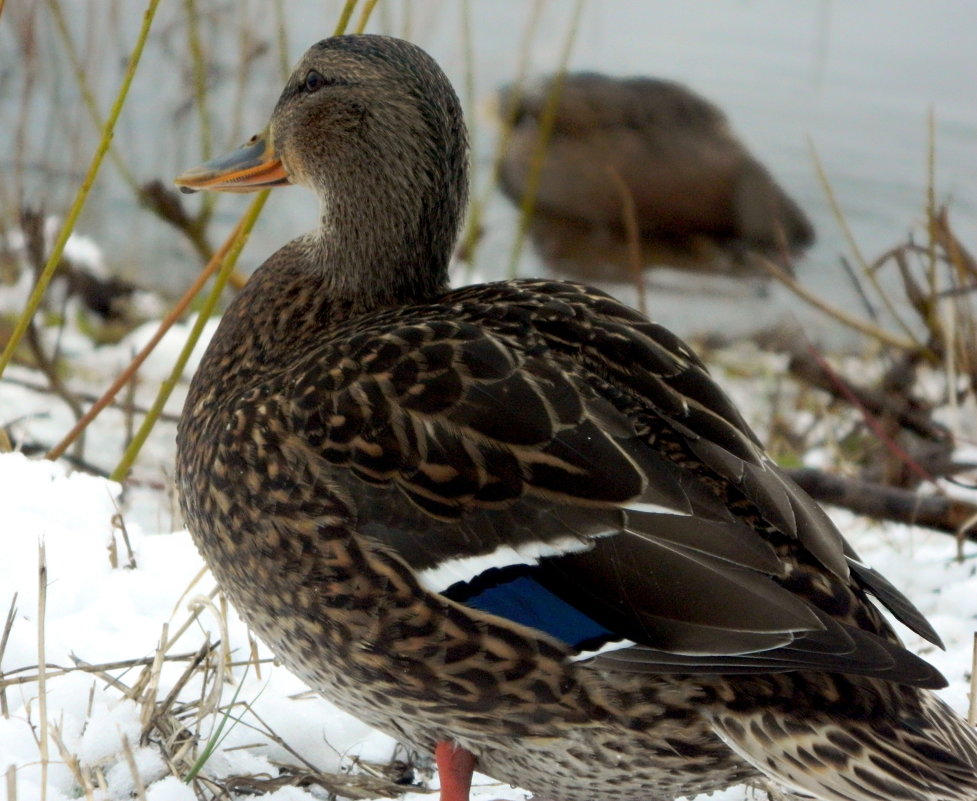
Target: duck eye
{"x": 314, "y": 81}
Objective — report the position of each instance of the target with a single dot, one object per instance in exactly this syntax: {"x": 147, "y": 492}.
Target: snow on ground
{"x": 98, "y": 613}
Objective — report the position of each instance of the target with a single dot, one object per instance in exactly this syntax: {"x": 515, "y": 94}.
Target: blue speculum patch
{"x": 522, "y": 599}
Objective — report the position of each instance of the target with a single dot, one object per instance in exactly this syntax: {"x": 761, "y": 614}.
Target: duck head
{"x": 373, "y": 126}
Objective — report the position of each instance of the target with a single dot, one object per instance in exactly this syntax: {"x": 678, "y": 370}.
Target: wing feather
{"x": 542, "y": 423}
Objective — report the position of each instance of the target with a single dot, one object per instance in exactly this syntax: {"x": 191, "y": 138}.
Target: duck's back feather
{"x": 566, "y": 460}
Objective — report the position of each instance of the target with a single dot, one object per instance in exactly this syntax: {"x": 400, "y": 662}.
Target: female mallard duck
{"x": 657, "y": 153}
{"x": 517, "y": 523}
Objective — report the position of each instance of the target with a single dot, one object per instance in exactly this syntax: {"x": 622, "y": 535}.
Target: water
{"x": 854, "y": 82}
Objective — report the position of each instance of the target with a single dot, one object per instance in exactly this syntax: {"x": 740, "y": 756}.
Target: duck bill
{"x": 251, "y": 167}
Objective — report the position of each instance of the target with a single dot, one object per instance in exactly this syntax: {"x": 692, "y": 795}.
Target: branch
{"x": 938, "y": 512}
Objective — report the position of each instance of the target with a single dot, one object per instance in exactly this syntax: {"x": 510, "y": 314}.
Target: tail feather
{"x": 930, "y": 755}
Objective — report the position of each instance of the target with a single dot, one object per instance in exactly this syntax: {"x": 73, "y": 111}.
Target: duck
{"x": 642, "y": 172}
{"x": 517, "y": 525}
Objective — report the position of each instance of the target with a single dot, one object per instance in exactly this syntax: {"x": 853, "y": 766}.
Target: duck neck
{"x": 367, "y": 255}
{"x": 377, "y": 260}
{"x": 387, "y": 241}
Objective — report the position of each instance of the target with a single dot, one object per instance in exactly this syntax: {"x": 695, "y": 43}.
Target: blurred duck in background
{"x": 641, "y": 172}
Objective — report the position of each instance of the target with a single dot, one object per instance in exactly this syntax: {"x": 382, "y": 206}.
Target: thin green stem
{"x": 546, "y": 123}
{"x": 476, "y": 210}
{"x": 365, "y": 15}
{"x": 344, "y": 17}
{"x": 217, "y": 736}
{"x": 282, "y": 36}
{"x": 199, "y": 67}
{"x": 56, "y": 252}
{"x": 86, "y": 91}
{"x": 166, "y": 388}
{"x": 468, "y": 48}
{"x": 866, "y": 269}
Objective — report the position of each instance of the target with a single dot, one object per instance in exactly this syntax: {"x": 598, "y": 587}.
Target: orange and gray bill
{"x": 251, "y": 167}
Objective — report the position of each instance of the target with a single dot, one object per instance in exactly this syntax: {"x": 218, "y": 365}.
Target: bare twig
{"x": 972, "y": 711}
{"x": 32, "y": 227}
{"x": 32, "y": 448}
{"x": 339, "y": 784}
{"x": 630, "y": 221}
{"x": 82, "y": 777}
{"x": 125, "y": 406}
{"x": 868, "y": 270}
{"x": 848, "y": 320}
{"x": 941, "y": 513}
{"x": 4, "y": 710}
{"x": 811, "y": 368}
{"x": 167, "y": 204}
{"x": 119, "y": 524}
{"x": 150, "y": 680}
{"x": 165, "y": 324}
{"x": 163, "y": 707}
{"x": 41, "y": 671}
{"x": 137, "y": 783}
{"x": 53, "y": 671}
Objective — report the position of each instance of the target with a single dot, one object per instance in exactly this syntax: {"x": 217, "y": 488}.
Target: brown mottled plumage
{"x": 653, "y": 151}
{"x": 519, "y": 519}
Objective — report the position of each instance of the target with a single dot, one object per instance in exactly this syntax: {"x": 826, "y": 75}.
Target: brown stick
{"x": 165, "y": 324}
{"x": 909, "y": 415}
{"x": 950, "y": 515}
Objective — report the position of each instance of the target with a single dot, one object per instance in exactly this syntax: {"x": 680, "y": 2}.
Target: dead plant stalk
{"x": 42, "y": 662}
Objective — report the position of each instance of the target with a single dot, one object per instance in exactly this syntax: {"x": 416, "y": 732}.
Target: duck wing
{"x": 540, "y": 452}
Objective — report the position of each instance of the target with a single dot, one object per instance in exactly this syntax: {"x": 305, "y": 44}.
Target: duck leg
{"x": 455, "y": 768}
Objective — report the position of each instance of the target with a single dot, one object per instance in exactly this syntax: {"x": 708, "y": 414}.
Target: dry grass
{"x": 186, "y": 723}
{"x": 920, "y": 329}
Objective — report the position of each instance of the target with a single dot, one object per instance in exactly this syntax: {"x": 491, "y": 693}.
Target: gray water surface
{"x": 855, "y": 81}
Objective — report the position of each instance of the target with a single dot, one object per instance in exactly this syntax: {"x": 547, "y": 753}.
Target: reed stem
{"x": 57, "y": 251}
{"x": 546, "y": 122}
{"x": 166, "y": 388}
